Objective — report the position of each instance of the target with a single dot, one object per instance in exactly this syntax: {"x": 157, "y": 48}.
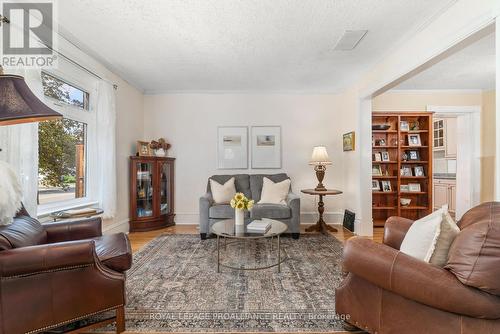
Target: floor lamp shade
{"x": 18, "y": 104}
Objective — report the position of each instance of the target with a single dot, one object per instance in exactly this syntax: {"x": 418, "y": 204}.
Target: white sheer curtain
{"x": 19, "y": 144}
{"x": 106, "y": 148}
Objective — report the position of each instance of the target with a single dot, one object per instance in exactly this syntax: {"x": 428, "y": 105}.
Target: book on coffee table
{"x": 258, "y": 226}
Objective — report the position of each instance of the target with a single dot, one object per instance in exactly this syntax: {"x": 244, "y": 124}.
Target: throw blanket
{"x": 10, "y": 193}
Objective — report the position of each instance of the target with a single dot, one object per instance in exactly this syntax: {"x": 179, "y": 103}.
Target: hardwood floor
{"x": 139, "y": 239}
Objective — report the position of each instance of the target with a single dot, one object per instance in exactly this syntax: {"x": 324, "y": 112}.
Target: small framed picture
{"x": 406, "y": 171}
{"x": 143, "y": 149}
{"x": 404, "y": 126}
{"x": 385, "y": 156}
{"x": 381, "y": 142}
{"x": 386, "y": 186}
{"x": 419, "y": 171}
{"x": 414, "y": 140}
{"x": 404, "y": 188}
{"x": 413, "y": 155}
{"x": 375, "y": 185}
{"x": 349, "y": 141}
{"x": 414, "y": 187}
{"x": 376, "y": 170}
{"x": 377, "y": 156}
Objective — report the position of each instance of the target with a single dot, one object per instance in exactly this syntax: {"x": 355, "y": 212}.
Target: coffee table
{"x": 226, "y": 229}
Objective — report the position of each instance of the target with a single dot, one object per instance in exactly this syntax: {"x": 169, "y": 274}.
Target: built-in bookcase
{"x": 401, "y": 165}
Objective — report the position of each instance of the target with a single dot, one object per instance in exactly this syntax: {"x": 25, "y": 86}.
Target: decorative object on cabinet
{"x": 160, "y": 147}
{"x": 349, "y": 141}
{"x": 408, "y": 143}
{"x": 405, "y": 201}
{"x": 320, "y": 160}
{"x": 381, "y": 127}
{"x": 266, "y": 147}
{"x": 143, "y": 149}
{"x": 232, "y": 147}
{"x": 151, "y": 192}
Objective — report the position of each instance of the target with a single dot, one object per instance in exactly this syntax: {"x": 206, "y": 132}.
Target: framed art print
{"x": 349, "y": 141}
{"x": 232, "y": 147}
{"x": 266, "y": 147}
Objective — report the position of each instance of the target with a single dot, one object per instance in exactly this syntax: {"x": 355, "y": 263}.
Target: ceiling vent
{"x": 350, "y": 40}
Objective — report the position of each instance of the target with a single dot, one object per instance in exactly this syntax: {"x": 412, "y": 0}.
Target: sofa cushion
{"x": 114, "y": 251}
{"x": 256, "y": 182}
{"x": 274, "y": 192}
{"x": 241, "y": 183}
{"x": 273, "y": 211}
{"x": 222, "y": 193}
{"x": 474, "y": 256}
{"x": 223, "y": 211}
{"x": 24, "y": 231}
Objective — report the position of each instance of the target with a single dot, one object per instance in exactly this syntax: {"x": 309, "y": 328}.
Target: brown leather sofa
{"x": 58, "y": 273}
{"x": 387, "y": 291}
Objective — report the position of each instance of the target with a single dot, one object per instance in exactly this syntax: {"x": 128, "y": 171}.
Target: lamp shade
{"x": 320, "y": 156}
{"x": 18, "y": 104}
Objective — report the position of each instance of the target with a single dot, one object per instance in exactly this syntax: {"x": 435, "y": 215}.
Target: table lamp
{"x": 320, "y": 159}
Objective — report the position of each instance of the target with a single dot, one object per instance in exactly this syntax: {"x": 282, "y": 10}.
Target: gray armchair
{"x": 251, "y": 186}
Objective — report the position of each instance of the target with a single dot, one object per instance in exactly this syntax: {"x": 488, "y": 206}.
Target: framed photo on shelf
{"x": 413, "y": 155}
{"x": 414, "y": 140}
{"x": 414, "y": 187}
{"x": 143, "y": 149}
{"x": 419, "y": 171}
{"x": 404, "y": 188}
{"x": 406, "y": 171}
{"x": 377, "y": 156}
{"x": 385, "y": 156}
{"x": 376, "y": 170}
{"x": 375, "y": 185}
{"x": 404, "y": 126}
{"x": 386, "y": 186}
{"x": 381, "y": 142}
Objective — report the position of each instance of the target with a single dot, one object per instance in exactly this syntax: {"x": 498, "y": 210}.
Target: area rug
{"x": 174, "y": 286}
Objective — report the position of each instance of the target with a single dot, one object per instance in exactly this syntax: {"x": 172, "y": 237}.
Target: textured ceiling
{"x": 246, "y": 45}
{"x": 470, "y": 68}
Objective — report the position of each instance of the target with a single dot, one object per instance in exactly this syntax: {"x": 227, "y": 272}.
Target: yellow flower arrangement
{"x": 241, "y": 202}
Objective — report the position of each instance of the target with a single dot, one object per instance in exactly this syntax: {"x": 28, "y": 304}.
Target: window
{"x": 63, "y": 145}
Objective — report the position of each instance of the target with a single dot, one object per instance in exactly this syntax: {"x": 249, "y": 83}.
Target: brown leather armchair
{"x": 55, "y": 274}
{"x": 387, "y": 291}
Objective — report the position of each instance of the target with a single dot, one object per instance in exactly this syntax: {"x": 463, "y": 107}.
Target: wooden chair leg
{"x": 120, "y": 320}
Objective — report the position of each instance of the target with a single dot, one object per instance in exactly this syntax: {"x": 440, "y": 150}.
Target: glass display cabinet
{"x": 151, "y": 193}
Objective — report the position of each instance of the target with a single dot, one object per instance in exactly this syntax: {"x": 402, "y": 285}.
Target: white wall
{"x": 189, "y": 122}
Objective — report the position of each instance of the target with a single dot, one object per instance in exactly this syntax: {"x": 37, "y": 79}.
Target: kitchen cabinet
{"x": 445, "y": 136}
{"x": 445, "y": 193}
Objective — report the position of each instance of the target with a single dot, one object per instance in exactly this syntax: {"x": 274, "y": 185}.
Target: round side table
{"x": 321, "y": 226}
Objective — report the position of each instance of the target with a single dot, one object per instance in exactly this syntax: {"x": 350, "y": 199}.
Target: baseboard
{"x": 117, "y": 227}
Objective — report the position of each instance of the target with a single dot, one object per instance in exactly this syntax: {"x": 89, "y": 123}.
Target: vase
{"x": 239, "y": 216}
{"x": 160, "y": 152}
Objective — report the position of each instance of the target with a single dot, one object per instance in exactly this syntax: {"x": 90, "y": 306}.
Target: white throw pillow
{"x": 274, "y": 193}
{"x": 222, "y": 193}
{"x": 449, "y": 231}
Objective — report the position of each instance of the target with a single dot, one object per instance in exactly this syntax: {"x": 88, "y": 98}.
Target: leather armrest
{"x": 73, "y": 230}
{"x": 395, "y": 229}
{"x": 42, "y": 258}
{"x": 416, "y": 280}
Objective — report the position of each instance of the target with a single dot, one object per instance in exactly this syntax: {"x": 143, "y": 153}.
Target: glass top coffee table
{"x": 226, "y": 229}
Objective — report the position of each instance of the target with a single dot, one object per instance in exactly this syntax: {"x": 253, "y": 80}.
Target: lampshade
{"x": 18, "y": 104}
{"x": 320, "y": 156}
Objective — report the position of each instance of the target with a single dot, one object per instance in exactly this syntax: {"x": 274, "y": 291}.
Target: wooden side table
{"x": 321, "y": 226}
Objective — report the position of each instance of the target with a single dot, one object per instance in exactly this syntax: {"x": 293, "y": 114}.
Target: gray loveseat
{"x": 251, "y": 186}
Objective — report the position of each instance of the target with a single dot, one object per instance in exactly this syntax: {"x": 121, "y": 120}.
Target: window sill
{"x": 45, "y": 210}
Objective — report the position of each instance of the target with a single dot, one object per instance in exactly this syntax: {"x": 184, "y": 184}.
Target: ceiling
{"x": 470, "y": 68}
{"x": 248, "y": 45}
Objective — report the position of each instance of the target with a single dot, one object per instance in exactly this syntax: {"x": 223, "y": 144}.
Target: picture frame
{"x": 349, "y": 141}
{"x": 404, "y": 188}
{"x": 266, "y": 147}
{"x": 414, "y": 187}
{"x": 404, "y": 126}
{"x": 376, "y": 170}
{"x": 377, "y": 156}
{"x": 385, "y": 156}
{"x": 414, "y": 139}
{"x": 143, "y": 149}
{"x": 413, "y": 155}
{"x": 406, "y": 171}
{"x": 375, "y": 185}
{"x": 386, "y": 186}
{"x": 232, "y": 147}
{"x": 419, "y": 171}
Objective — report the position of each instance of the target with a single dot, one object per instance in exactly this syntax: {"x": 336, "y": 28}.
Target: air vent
{"x": 350, "y": 40}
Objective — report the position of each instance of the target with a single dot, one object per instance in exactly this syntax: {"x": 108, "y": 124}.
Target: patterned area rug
{"x": 174, "y": 286}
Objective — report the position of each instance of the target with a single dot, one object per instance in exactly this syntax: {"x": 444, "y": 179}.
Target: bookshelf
{"x": 401, "y": 165}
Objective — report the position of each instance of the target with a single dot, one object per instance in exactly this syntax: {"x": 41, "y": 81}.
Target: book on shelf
{"x": 258, "y": 226}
